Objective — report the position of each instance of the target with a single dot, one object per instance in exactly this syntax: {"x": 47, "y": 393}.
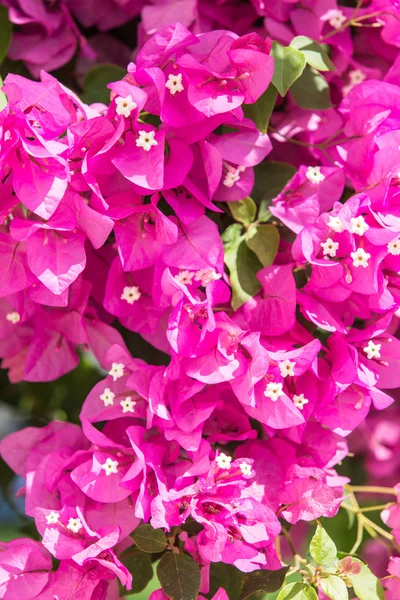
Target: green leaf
{"x": 232, "y": 234}
{"x": 96, "y": 81}
{"x": 179, "y": 576}
{"x": 139, "y": 565}
{"x": 243, "y": 266}
{"x": 270, "y": 179}
{"x": 315, "y": 55}
{"x": 311, "y": 90}
{"x": 243, "y": 211}
{"x": 366, "y": 586}
{"x": 322, "y": 548}
{"x": 297, "y": 591}
{"x": 289, "y": 64}
{"x": 334, "y": 587}
{"x": 5, "y": 33}
{"x": 226, "y": 576}
{"x": 262, "y": 581}
{"x": 263, "y": 240}
{"x": 260, "y": 112}
{"x": 148, "y": 539}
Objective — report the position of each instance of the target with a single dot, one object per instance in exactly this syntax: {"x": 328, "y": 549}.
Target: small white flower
{"x": 223, "y": 461}
{"x": 185, "y": 277}
{"x": 329, "y": 248}
{"x": 286, "y": 367}
{"x": 358, "y": 225}
{"x": 146, "y": 140}
{"x": 52, "y": 518}
{"x": 231, "y": 177}
{"x": 131, "y": 294}
{"x": 299, "y": 401}
{"x": 174, "y": 83}
{"x": 125, "y": 106}
{"x": 314, "y": 175}
{"x": 108, "y": 397}
{"x": 110, "y": 466}
{"x": 336, "y": 224}
{"x": 393, "y": 247}
{"x": 337, "y": 18}
{"x": 74, "y": 525}
{"x": 128, "y": 405}
{"x": 356, "y": 76}
{"x": 206, "y": 276}
{"x": 13, "y": 317}
{"x": 116, "y": 371}
{"x": 273, "y": 391}
{"x": 360, "y": 258}
{"x": 372, "y": 350}
{"x": 245, "y": 468}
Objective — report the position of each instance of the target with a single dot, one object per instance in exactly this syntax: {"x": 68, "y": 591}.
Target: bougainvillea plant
{"x": 222, "y": 188}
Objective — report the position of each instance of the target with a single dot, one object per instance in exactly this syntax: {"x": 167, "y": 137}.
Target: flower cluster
{"x": 49, "y": 33}
{"x": 72, "y": 174}
{"x": 115, "y": 212}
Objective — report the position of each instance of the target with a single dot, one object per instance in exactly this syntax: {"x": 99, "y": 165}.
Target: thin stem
{"x": 360, "y": 526}
{"x": 374, "y": 508}
{"x": 376, "y": 527}
{"x": 372, "y": 489}
{"x": 293, "y": 141}
{"x": 278, "y": 547}
{"x": 289, "y": 541}
{"x": 359, "y": 538}
{"x": 366, "y": 508}
{"x": 329, "y": 142}
{"x": 355, "y": 21}
{"x": 329, "y": 158}
{"x": 364, "y": 522}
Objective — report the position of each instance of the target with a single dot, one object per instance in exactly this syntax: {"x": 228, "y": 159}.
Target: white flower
{"x": 329, "y": 247}
{"x": 13, "y": 317}
{"x": 206, "y": 276}
{"x": 299, "y": 401}
{"x": 372, "y": 350}
{"x": 231, "y": 177}
{"x": 245, "y": 468}
{"x": 314, "y": 175}
{"x": 358, "y": 225}
{"x": 184, "y": 277}
{"x": 393, "y": 247}
{"x": 128, "y": 405}
{"x": 110, "y": 466}
{"x": 146, "y": 140}
{"x": 360, "y": 258}
{"x": 108, "y": 397}
{"x": 336, "y": 224}
{"x": 125, "y": 106}
{"x": 223, "y": 461}
{"x": 131, "y": 294}
{"x": 116, "y": 371}
{"x": 273, "y": 391}
{"x": 52, "y": 518}
{"x": 174, "y": 83}
{"x": 74, "y": 525}
{"x": 336, "y": 18}
{"x": 356, "y": 76}
{"x": 286, "y": 367}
